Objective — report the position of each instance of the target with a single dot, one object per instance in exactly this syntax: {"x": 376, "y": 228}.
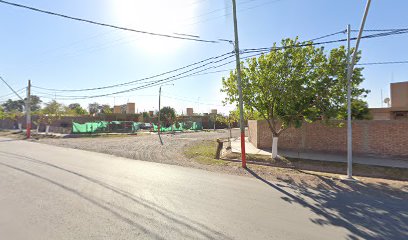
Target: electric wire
{"x": 228, "y": 54}
{"x": 104, "y": 24}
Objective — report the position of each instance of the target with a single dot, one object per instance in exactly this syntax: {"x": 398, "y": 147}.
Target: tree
{"x": 106, "y": 109}
{"x": 3, "y": 115}
{"x": 359, "y": 110}
{"x": 168, "y": 115}
{"x": 292, "y": 84}
{"x": 13, "y": 105}
{"x": 35, "y": 103}
{"x": 75, "y": 109}
{"x": 72, "y": 106}
{"x": 146, "y": 117}
{"x": 93, "y": 108}
{"x": 52, "y": 111}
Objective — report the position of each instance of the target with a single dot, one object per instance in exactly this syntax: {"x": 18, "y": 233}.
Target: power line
{"x": 12, "y": 93}
{"x": 382, "y": 63}
{"x": 309, "y": 43}
{"x": 228, "y": 54}
{"x": 11, "y": 88}
{"x": 154, "y": 83}
{"x": 104, "y": 24}
{"x": 228, "y": 14}
{"x": 179, "y": 76}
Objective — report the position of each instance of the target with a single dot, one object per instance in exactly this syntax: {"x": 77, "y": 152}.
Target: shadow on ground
{"x": 186, "y": 227}
{"x": 368, "y": 211}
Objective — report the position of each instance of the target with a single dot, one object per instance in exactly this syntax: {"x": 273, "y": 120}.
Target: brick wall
{"x": 379, "y": 138}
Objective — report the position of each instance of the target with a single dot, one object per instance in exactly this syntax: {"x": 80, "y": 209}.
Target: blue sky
{"x": 59, "y": 53}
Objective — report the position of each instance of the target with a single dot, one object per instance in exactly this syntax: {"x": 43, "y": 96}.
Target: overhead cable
{"x": 105, "y": 24}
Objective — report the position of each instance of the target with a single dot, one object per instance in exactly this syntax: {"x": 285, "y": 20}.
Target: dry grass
{"x": 204, "y": 153}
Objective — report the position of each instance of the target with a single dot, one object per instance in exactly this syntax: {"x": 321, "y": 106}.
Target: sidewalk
{"x": 385, "y": 162}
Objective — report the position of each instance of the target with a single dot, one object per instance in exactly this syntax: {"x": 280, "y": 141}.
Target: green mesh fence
{"x": 105, "y": 127}
{"x": 127, "y": 126}
{"x": 89, "y": 127}
{"x": 180, "y": 127}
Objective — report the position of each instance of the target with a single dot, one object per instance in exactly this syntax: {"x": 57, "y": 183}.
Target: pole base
{"x": 348, "y": 179}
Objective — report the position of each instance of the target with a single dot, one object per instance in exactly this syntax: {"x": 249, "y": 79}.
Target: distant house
{"x": 398, "y": 106}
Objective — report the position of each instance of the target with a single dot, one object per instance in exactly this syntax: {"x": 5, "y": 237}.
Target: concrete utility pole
{"x": 241, "y": 105}
{"x": 349, "y": 97}
{"x": 158, "y": 128}
{"x": 28, "y": 110}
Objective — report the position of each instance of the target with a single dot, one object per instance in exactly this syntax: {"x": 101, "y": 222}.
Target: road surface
{"x": 49, "y": 192}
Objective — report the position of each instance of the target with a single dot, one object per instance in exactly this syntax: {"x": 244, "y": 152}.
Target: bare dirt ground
{"x": 149, "y": 148}
{"x": 144, "y": 147}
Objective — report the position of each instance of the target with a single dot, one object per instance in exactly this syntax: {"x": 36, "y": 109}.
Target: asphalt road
{"x": 48, "y": 192}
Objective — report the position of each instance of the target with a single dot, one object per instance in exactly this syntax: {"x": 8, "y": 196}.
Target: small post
{"x": 28, "y": 110}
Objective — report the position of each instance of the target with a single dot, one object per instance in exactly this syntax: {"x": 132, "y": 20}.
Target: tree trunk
{"x": 274, "y": 147}
{"x": 47, "y": 129}
{"x": 20, "y": 126}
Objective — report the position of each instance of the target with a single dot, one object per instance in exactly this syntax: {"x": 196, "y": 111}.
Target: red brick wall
{"x": 388, "y": 138}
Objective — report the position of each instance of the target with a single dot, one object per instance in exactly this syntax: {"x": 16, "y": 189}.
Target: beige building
{"x": 399, "y": 104}
{"x": 213, "y": 111}
{"x": 130, "y": 108}
{"x": 117, "y": 109}
{"x": 190, "y": 112}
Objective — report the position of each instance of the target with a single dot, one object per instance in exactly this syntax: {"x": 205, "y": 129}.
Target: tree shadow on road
{"x": 368, "y": 211}
{"x": 183, "y": 225}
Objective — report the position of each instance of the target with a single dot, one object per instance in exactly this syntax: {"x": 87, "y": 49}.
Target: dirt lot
{"x": 144, "y": 147}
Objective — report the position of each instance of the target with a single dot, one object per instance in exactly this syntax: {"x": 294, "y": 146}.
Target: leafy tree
{"x": 3, "y": 115}
{"x": 168, "y": 115}
{"x": 293, "y": 84}
{"x": 106, "y": 109}
{"x": 13, "y": 105}
{"x": 35, "y": 103}
{"x": 93, "y": 108}
{"x": 359, "y": 110}
{"x": 74, "y": 109}
{"x": 19, "y": 105}
{"x": 146, "y": 116}
{"x": 80, "y": 111}
{"x": 52, "y": 111}
{"x": 73, "y": 106}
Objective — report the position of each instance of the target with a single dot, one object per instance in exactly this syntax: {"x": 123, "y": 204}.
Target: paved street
{"x": 48, "y": 192}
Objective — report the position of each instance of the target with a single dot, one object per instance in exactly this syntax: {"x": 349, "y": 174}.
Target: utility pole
{"x": 349, "y": 128}
{"x": 241, "y": 105}
{"x": 28, "y": 110}
{"x": 158, "y": 128}
{"x": 349, "y": 77}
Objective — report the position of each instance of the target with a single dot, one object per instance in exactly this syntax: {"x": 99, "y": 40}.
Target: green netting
{"x": 126, "y": 126}
{"x": 180, "y": 127}
{"x": 135, "y": 126}
{"x": 103, "y": 126}
{"x": 89, "y": 127}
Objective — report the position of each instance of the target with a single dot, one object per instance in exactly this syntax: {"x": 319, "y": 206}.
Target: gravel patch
{"x": 144, "y": 147}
